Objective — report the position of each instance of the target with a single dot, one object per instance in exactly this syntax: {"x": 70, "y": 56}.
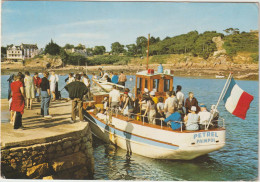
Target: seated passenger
{"x": 175, "y": 116}
{"x": 105, "y": 104}
{"x": 169, "y": 102}
{"x": 107, "y": 78}
{"x": 114, "y": 79}
{"x": 204, "y": 117}
{"x": 191, "y": 120}
{"x": 214, "y": 122}
{"x": 152, "y": 95}
{"x": 143, "y": 105}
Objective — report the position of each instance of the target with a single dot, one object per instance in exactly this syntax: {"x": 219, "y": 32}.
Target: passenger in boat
{"x": 180, "y": 98}
{"x": 105, "y": 104}
{"x": 76, "y": 91}
{"x": 143, "y": 105}
{"x": 152, "y": 95}
{"x": 146, "y": 92}
{"x": 204, "y": 117}
{"x": 107, "y": 78}
{"x": 160, "y": 110}
{"x": 150, "y": 111}
{"x": 114, "y": 98}
{"x": 175, "y": 100}
{"x": 114, "y": 79}
{"x": 128, "y": 108}
{"x": 191, "y": 120}
{"x": 215, "y": 115}
{"x": 122, "y": 79}
{"x": 101, "y": 72}
{"x": 191, "y": 101}
{"x": 169, "y": 102}
{"x": 173, "y": 119}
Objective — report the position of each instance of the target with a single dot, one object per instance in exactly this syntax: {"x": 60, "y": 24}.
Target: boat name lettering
{"x": 205, "y": 137}
{"x": 205, "y": 134}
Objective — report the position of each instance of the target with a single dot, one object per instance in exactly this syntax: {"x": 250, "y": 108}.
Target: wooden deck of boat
{"x": 156, "y": 126}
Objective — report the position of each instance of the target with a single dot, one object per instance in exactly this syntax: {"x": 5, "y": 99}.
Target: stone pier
{"x": 46, "y": 148}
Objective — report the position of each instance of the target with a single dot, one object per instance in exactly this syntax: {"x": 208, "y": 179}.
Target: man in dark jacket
{"x": 191, "y": 101}
{"x": 76, "y": 91}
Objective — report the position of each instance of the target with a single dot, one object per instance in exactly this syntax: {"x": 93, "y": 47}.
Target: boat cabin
{"x": 159, "y": 82}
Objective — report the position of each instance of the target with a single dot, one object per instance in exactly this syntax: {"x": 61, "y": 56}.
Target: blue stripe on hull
{"x": 129, "y": 136}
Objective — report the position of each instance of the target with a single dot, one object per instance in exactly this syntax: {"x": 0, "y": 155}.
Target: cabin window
{"x": 146, "y": 83}
{"x": 139, "y": 83}
{"x": 166, "y": 85}
{"x": 156, "y": 84}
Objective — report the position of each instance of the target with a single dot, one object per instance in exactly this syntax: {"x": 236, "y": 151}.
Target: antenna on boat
{"x": 148, "y": 51}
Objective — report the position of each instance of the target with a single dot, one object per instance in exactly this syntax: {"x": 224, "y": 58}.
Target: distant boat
{"x": 220, "y": 76}
{"x": 131, "y": 79}
{"x": 40, "y": 73}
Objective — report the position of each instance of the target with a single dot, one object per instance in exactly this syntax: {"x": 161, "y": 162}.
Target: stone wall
{"x": 69, "y": 157}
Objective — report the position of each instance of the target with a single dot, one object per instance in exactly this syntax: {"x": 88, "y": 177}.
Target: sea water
{"x": 238, "y": 160}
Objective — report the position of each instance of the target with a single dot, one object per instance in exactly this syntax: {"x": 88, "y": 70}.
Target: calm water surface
{"x": 238, "y": 160}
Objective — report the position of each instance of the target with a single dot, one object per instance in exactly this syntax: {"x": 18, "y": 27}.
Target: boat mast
{"x": 148, "y": 51}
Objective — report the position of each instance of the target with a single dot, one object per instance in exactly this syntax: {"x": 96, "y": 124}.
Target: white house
{"x": 24, "y": 51}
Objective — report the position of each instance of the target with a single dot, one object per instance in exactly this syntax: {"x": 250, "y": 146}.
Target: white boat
{"x": 220, "y": 76}
{"x": 154, "y": 141}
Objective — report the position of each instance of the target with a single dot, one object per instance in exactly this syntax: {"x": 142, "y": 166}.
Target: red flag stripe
{"x": 243, "y": 105}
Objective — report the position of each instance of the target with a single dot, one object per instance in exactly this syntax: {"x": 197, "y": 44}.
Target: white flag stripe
{"x": 233, "y": 99}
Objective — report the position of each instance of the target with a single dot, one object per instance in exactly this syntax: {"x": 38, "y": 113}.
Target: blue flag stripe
{"x": 228, "y": 92}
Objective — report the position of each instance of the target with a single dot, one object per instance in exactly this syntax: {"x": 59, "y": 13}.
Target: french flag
{"x": 237, "y": 101}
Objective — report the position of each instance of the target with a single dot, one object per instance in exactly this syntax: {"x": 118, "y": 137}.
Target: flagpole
{"x": 220, "y": 97}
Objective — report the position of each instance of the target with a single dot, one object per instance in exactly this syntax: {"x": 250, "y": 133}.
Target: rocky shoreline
{"x": 189, "y": 69}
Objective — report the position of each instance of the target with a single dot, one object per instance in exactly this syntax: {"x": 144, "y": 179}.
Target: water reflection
{"x": 128, "y": 134}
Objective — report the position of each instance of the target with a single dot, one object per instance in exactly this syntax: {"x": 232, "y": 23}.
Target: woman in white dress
{"x": 29, "y": 89}
{"x": 53, "y": 80}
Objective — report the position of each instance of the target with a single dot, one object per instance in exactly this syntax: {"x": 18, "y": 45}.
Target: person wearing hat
{"x": 204, "y": 116}
{"x": 152, "y": 95}
{"x": 191, "y": 120}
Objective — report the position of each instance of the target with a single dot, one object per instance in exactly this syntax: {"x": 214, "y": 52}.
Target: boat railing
{"x": 130, "y": 115}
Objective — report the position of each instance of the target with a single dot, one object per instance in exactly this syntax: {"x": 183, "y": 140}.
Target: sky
{"x": 102, "y": 23}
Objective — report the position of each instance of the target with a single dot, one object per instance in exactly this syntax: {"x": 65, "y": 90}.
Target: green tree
{"x": 131, "y": 49}
{"x": 117, "y": 48}
{"x": 64, "y": 57}
{"x": 68, "y": 46}
{"x": 99, "y": 50}
{"x": 141, "y": 44}
{"x": 52, "y": 48}
{"x": 3, "y": 51}
{"x": 80, "y": 47}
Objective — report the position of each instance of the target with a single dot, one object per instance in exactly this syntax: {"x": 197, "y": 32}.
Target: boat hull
{"x": 158, "y": 147}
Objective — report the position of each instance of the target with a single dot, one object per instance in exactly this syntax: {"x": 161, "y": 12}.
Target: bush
{"x": 255, "y": 57}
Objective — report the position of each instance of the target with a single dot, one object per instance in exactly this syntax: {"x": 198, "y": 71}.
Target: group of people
{"x": 112, "y": 77}
{"x": 24, "y": 88}
{"x": 175, "y": 111}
